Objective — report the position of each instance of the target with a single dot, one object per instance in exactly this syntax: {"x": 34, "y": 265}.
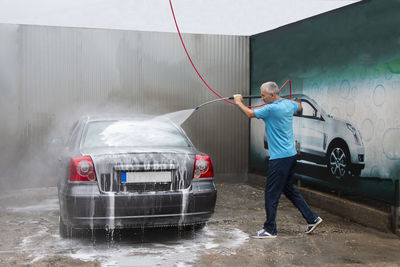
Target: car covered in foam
{"x": 132, "y": 172}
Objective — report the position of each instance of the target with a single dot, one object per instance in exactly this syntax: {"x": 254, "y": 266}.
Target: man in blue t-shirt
{"x": 278, "y": 116}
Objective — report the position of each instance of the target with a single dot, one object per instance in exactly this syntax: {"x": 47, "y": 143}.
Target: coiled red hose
{"x": 201, "y": 77}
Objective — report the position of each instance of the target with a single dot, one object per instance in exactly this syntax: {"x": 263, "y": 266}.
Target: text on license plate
{"x": 146, "y": 177}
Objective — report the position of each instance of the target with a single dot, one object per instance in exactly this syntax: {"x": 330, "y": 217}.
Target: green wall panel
{"x": 348, "y": 62}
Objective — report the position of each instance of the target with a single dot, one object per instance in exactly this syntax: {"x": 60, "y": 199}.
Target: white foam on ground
{"x": 28, "y": 240}
{"x": 45, "y": 242}
{"x": 45, "y": 205}
{"x": 166, "y": 254}
{"x": 29, "y": 243}
{"x": 169, "y": 253}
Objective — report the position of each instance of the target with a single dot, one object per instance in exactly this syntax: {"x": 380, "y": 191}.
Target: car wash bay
{"x": 52, "y": 75}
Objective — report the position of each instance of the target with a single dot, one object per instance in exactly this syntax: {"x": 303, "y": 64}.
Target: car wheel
{"x": 356, "y": 172}
{"x": 338, "y": 161}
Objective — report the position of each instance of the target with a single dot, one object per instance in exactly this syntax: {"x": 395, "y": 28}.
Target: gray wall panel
{"x": 50, "y": 76}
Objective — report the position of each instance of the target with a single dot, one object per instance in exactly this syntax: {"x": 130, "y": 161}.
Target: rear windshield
{"x": 126, "y": 133}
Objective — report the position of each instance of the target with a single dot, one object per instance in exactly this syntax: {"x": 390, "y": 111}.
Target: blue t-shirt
{"x": 278, "y": 118}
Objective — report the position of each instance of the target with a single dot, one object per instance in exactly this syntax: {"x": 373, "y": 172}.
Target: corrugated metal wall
{"x": 50, "y": 76}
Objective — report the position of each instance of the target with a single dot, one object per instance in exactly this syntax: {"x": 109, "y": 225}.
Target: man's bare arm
{"x": 246, "y": 111}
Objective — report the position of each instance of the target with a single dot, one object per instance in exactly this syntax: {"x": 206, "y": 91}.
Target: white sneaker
{"x": 263, "y": 234}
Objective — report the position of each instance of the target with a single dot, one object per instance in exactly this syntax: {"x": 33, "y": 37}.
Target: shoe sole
{"x": 263, "y": 237}
{"x": 315, "y": 226}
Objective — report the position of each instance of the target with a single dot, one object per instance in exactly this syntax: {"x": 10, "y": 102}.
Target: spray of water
{"x": 177, "y": 117}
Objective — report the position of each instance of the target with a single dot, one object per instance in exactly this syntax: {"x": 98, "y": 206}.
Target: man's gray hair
{"x": 270, "y": 87}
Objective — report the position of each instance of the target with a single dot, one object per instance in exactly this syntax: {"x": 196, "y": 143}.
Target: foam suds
{"x": 111, "y": 213}
{"x": 125, "y": 133}
{"x": 45, "y": 205}
{"x": 128, "y": 251}
{"x": 169, "y": 253}
{"x": 185, "y": 203}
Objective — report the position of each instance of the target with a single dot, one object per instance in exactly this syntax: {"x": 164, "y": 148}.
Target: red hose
{"x": 201, "y": 77}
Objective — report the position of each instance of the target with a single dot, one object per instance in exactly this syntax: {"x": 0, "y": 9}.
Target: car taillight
{"x": 82, "y": 170}
{"x": 203, "y": 167}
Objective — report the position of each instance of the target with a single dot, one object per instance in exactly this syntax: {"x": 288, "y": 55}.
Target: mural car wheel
{"x": 356, "y": 172}
{"x": 338, "y": 162}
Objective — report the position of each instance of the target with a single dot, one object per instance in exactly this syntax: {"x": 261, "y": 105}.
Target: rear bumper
{"x": 83, "y": 206}
{"x": 157, "y": 220}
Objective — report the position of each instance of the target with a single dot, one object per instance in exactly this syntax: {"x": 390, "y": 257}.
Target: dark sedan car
{"x": 131, "y": 172}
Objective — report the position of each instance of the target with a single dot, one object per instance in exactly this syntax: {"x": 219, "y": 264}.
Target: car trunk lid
{"x": 144, "y": 171}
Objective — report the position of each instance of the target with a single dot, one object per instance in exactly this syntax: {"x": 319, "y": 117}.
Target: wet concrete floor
{"x": 29, "y": 235}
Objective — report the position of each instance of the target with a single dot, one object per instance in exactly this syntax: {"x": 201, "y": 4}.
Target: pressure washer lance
{"x": 226, "y": 98}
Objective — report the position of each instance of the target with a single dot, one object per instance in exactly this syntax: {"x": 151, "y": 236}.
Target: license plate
{"x": 146, "y": 177}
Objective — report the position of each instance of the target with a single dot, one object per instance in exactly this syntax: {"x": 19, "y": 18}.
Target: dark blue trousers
{"x": 280, "y": 178}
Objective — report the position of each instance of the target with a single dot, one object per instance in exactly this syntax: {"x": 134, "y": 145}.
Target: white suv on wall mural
{"x": 322, "y": 139}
